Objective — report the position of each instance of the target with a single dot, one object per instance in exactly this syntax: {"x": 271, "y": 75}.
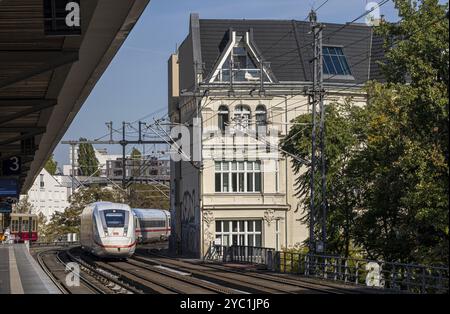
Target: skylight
{"x": 335, "y": 62}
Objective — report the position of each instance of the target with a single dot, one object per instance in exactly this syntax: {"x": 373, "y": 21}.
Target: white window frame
{"x": 217, "y": 72}
{"x": 239, "y": 233}
{"x": 234, "y": 167}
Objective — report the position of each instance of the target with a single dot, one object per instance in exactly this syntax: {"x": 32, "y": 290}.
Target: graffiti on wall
{"x": 190, "y": 224}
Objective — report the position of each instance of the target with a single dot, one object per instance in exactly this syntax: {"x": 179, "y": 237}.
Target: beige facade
{"x": 207, "y": 214}
{"x": 243, "y": 82}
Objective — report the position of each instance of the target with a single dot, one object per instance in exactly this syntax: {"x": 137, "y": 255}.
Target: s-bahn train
{"x": 108, "y": 230}
{"x": 152, "y": 224}
{"x": 22, "y": 227}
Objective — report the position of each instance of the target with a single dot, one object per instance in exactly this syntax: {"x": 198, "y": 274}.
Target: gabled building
{"x": 242, "y": 82}
{"x": 49, "y": 194}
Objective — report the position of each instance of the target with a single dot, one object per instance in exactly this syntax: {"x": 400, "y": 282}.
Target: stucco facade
{"x": 242, "y": 189}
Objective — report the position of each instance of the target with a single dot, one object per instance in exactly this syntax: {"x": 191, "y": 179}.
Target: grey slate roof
{"x": 287, "y": 45}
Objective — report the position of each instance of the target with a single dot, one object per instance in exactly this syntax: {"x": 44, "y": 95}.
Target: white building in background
{"x": 48, "y": 195}
{"x": 100, "y": 153}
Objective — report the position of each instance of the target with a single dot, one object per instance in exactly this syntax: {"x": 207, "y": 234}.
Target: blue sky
{"x": 135, "y": 83}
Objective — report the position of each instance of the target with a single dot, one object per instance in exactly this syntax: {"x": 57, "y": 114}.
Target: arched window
{"x": 261, "y": 120}
{"x": 242, "y": 116}
{"x": 223, "y": 118}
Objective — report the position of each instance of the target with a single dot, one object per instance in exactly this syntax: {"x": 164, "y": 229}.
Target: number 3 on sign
{"x": 14, "y": 164}
{"x": 11, "y": 166}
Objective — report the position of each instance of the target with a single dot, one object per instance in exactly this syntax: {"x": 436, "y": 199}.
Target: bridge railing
{"x": 389, "y": 275}
{"x": 364, "y": 272}
{"x": 241, "y": 254}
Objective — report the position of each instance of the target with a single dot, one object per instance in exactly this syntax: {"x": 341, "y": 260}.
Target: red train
{"x": 22, "y": 227}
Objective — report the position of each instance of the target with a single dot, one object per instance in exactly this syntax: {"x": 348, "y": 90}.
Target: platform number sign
{"x": 11, "y": 166}
{"x": 62, "y": 17}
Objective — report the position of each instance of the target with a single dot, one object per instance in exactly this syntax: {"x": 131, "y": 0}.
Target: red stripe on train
{"x": 116, "y": 246}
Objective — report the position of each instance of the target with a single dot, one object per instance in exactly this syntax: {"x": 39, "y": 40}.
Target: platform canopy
{"x": 48, "y": 67}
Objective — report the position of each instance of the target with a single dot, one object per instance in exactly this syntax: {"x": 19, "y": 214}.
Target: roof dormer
{"x": 241, "y": 59}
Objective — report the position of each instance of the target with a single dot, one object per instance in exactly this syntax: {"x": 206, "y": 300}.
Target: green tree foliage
{"x": 148, "y": 196}
{"x": 23, "y": 206}
{"x": 68, "y": 221}
{"x": 404, "y": 166}
{"x": 51, "y": 165}
{"x": 388, "y": 162}
{"x": 43, "y": 228}
{"x": 344, "y": 128}
{"x": 88, "y": 163}
{"x": 136, "y": 162}
{"x": 136, "y": 153}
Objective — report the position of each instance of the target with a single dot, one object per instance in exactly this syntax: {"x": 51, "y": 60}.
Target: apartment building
{"x": 241, "y": 83}
{"x": 49, "y": 194}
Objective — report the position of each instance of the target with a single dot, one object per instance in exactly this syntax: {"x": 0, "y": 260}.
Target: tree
{"x": 42, "y": 228}
{"x": 88, "y": 163}
{"x": 388, "y": 162}
{"x": 343, "y": 130}
{"x": 51, "y": 165}
{"x": 23, "y": 206}
{"x": 148, "y": 196}
{"x": 136, "y": 162}
{"x": 136, "y": 154}
{"x": 404, "y": 165}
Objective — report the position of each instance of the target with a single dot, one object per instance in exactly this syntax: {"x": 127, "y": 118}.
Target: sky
{"x": 135, "y": 83}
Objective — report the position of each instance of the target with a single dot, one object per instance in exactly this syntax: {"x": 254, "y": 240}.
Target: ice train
{"x": 151, "y": 224}
{"x": 108, "y": 230}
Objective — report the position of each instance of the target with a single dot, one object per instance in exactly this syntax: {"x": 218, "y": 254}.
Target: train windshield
{"x": 114, "y": 218}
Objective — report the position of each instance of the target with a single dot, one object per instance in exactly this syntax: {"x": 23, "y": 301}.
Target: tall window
{"x": 261, "y": 120}
{"x": 335, "y": 62}
{"x": 242, "y": 117}
{"x": 41, "y": 181}
{"x": 238, "y": 176}
{"x": 239, "y": 232}
{"x": 223, "y": 118}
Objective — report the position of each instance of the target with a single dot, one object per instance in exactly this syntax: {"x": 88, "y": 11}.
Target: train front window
{"x": 114, "y": 218}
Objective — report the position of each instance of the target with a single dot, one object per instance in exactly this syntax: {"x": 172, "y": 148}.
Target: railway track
{"x": 51, "y": 261}
{"x": 154, "y": 279}
{"x": 158, "y": 274}
{"x": 253, "y": 282}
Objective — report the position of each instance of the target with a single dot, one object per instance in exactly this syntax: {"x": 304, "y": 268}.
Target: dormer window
{"x": 334, "y": 62}
{"x": 240, "y": 59}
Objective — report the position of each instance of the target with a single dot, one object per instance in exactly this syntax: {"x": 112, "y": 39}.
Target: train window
{"x": 34, "y": 225}
{"x": 14, "y": 225}
{"x": 154, "y": 223}
{"x": 114, "y": 218}
{"x": 25, "y": 225}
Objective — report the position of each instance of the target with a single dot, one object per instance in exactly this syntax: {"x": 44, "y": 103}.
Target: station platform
{"x": 21, "y": 274}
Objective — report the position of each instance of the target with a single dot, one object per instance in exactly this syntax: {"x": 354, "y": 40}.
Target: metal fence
{"x": 56, "y": 243}
{"x": 378, "y": 274}
{"x": 389, "y": 275}
{"x": 241, "y": 254}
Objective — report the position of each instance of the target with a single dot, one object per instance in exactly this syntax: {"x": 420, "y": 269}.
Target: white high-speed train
{"x": 151, "y": 224}
{"x": 108, "y": 230}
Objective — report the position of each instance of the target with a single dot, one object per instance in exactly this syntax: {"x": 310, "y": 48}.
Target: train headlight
{"x": 125, "y": 231}
{"x": 105, "y": 230}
